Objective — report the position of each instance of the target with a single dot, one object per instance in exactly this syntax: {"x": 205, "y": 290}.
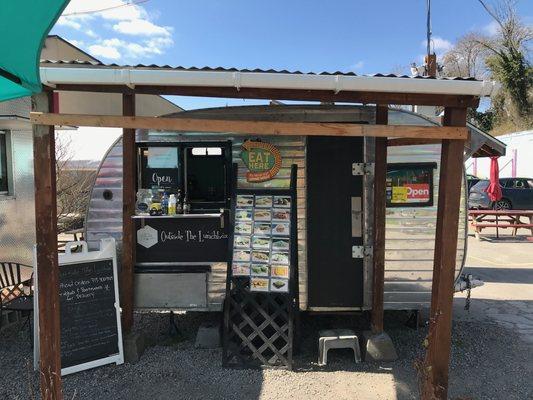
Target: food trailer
{"x": 338, "y": 153}
{"x": 176, "y": 269}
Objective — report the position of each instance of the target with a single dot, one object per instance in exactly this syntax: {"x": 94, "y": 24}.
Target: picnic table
{"x": 501, "y": 219}
{"x": 68, "y": 236}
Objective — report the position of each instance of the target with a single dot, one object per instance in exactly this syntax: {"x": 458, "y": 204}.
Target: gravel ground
{"x": 488, "y": 362}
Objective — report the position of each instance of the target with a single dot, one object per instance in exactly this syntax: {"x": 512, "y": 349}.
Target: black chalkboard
{"x": 89, "y": 329}
{"x": 160, "y": 177}
{"x": 194, "y": 239}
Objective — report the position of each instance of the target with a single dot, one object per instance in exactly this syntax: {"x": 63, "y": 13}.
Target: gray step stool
{"x": 337, "y": 339}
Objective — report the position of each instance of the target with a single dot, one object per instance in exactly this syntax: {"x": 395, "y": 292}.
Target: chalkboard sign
{"x": 160, "y": 177}
{"x": 88, "y": 317}
{"x": 194, "y": 238}
{"x": 89, "y": 308}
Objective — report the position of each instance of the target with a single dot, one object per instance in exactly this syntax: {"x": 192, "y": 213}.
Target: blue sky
{"x": 307, "y": 35}
{"x": 361, "y": 36}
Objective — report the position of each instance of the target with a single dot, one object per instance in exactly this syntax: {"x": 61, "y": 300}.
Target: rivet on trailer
{"x": 349, "y": 256}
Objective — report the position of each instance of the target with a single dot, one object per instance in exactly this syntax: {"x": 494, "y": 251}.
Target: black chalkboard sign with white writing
{"x": 160, "y": 177}
{"x": 89, "y": 329}
{"x": 197, "y": 238}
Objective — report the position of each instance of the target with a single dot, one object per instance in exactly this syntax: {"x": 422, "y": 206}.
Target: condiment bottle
{"x": 172, "y": 205}
{"x": 179, "y": 206}
{"x": 186, "y": 205}
{"x": 164, "y": 203}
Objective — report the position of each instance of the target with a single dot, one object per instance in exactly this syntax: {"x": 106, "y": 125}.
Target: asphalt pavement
{"x": 506, "y": 266}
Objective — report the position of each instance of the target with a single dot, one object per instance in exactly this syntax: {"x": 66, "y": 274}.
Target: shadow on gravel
{"x": 501, "y": 274}
{"x": 488, "y": 362}
{"x": 492, "y": 238}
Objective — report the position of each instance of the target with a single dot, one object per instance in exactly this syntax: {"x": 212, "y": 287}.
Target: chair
{"x": 16, "y": 292}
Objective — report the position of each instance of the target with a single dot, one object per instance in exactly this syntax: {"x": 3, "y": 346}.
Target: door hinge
{"x": 361, "y": 251}
{"x": 359, "y": 169}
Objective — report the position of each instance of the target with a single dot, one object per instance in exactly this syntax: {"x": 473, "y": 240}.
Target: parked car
{"x": 517, "y": 194}
{"x": 471, "y": 180}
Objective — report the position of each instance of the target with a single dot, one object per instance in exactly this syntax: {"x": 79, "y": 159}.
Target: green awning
{"x": 24, "y": 25}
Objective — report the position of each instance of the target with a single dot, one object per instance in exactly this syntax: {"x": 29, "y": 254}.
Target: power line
{"x": 428, "y": 27}
{"x": 131, "y": 3}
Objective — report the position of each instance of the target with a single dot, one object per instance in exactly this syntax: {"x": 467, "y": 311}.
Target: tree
{"x": 509, "y": 63}
{"x": 503, "y": 57}
{"x": 73, "y": 183}
{"x": 466, "y": 58}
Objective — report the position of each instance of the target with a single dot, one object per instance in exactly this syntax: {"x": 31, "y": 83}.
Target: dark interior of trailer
{"x": 199, "y": 171}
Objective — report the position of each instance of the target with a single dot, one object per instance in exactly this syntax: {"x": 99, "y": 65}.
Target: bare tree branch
{"x": 74, "y": 183}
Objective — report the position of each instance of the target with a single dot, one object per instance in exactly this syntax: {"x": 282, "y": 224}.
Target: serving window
{"x": 206, "y": 171}
{"x": 198, "y": 170}
{"x": 410, "y": 185}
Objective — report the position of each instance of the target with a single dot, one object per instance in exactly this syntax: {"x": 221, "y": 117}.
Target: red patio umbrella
{"x": 494, "y": 189}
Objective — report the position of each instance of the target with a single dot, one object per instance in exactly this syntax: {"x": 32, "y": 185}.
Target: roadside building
{"x": 17, "y": 210}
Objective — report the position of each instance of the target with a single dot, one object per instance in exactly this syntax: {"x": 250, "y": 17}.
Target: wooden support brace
{"x": 326, "y": 96}
{"x": 44, "y": 165}
{"x": 251, "y": 127}
{"x": 380, "y": 204}
{"x": 445, "y": 258}
{"x": 128, "y": 210}
{"x": 412, "y": 142}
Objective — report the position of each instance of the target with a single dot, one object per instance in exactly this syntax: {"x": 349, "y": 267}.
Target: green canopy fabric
{"x": 24, "y": 25}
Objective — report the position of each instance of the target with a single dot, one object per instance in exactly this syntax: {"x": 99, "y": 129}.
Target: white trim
{"x": 107, "y": 251}
{"x": 36, "y": 349}
{"x": 131, "y": 76}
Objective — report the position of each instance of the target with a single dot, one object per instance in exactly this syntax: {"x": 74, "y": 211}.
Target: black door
{"x": 334, "y": 195}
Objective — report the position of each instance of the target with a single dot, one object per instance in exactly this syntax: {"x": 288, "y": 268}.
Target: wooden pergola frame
{"x": 452, "y": 135}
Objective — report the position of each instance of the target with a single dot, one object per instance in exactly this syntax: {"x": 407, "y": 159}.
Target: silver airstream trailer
{"x": 410, "y": 222}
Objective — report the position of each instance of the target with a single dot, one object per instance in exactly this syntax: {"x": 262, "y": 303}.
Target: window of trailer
{"x": 410, "y": 185}
{"x": 5, "y": 167}
{"x": 198, "y": 171}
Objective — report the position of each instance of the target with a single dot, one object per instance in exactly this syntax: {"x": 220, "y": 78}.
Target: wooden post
{"x": 129, "y": 167}
{"x": 445, "y": 256}
{"x": 431, "y": 65}
{"x": 44, "y": 167}
{"x": 380, "y": 204}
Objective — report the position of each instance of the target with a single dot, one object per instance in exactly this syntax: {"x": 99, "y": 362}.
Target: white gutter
{"x": 262, "y": 80}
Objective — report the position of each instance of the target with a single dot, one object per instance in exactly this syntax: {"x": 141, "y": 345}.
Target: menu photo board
{"x": 261, "y": 242}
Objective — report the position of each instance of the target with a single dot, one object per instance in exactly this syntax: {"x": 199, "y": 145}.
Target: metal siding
{"x": 410, "y": 232}
{"x": 17, "y": 211}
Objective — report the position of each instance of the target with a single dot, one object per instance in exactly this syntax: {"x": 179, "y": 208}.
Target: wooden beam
{"x": 328, "y": 96}
{"x": 250, "y": 127}
{"x": 445, "y": 258}
{"x": 412, "y": 142}
{"x": 44, "y": 166}
{"x": 128, "y": 210}
{"x": 380, "y": 204}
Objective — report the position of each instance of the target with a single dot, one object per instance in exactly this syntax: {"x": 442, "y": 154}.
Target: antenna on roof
{"x": 429, "y": 68}
{"x": 431, "y": 58}
{"x": 428, "y": 28}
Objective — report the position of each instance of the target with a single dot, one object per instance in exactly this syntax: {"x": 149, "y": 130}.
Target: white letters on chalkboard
{"x": 161, "y": 180}
{"x": 191, "y": 236}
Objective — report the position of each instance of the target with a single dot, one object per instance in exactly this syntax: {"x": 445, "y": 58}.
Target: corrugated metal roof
{"x": 224, "y": 69}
